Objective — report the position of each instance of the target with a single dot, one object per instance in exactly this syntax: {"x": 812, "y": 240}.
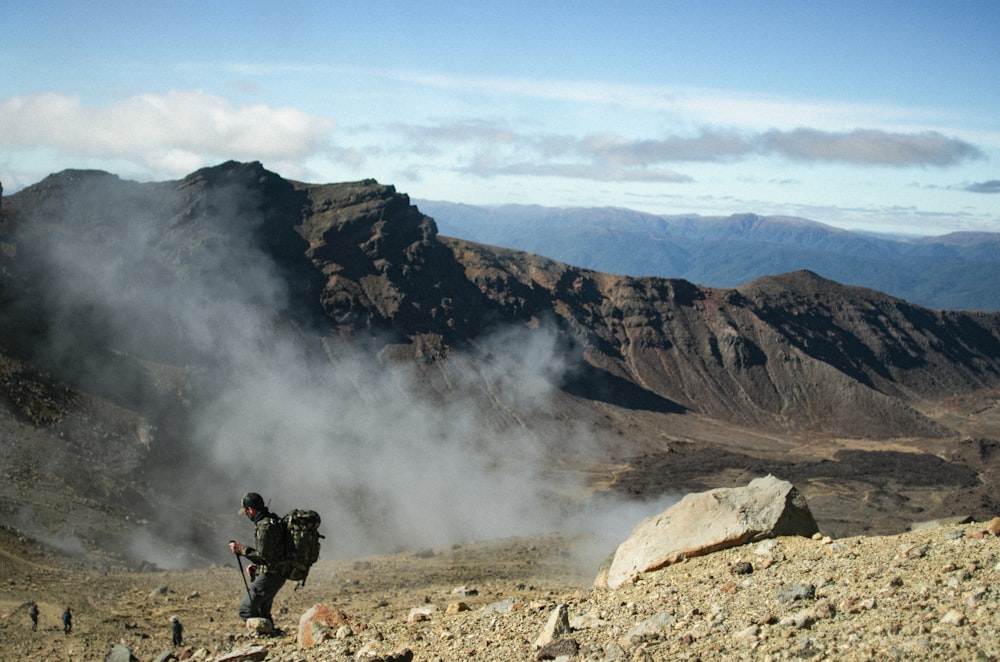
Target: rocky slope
{"x": 925, "y": 595}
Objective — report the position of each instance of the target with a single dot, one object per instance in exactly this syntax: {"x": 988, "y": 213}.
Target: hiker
{"x": 33, "y": 614}
{"x": 178, "y": 631}
{"x": 266, "y": 568}
{"x": 67, "y": 621}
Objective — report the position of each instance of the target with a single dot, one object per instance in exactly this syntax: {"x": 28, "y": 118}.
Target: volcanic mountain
{"x": 166, "y": 346}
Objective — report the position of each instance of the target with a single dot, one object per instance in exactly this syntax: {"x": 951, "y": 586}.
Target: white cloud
{"x": 178, "y": 131}
{"x": 613, "y": 157}
{"x": 870, "y": 147}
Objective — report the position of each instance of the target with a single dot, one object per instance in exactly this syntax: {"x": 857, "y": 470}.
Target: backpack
{"x": 302, "y": 538}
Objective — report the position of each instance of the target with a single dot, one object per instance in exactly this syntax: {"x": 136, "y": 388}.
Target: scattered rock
{"x": 244, "y": 654}
{"x": 651, "y": 627}
{"x": 418, "y": 614}
{"x": 366, "y": 654}
{"x": 560, "y": 648}
{"x": 910, "y": 552}
{"x": 456, "y": 607}
{"x": 120, "y": 653}
{"x": 502, "y": 606}
{"x": 793, "y": 592}
{"x": 953, "y": 617}
{"x": 741, "y": 568}
{"x": 557, "y": 626}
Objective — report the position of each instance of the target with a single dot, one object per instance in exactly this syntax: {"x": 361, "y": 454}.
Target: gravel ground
{"x": 927, "y": 594}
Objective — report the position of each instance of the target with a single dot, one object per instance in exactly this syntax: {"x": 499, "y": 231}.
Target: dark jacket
{"x": 269, "y": 555}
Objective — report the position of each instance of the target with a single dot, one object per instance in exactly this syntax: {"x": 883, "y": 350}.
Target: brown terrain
{"x": 166, "y": 347}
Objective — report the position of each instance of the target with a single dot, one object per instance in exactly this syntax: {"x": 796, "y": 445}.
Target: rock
{"x": 560, "y": 648}
{"x": 366, "y": 654}
{"x": 953, "y": 617}
{"x": 120, "y": 654}
{"x": 741, "y": 568}
{"x": 650, "y": 627}
{"x": 317, "y": 624}
{"x": 259, "y": 625}
{"x": 418, "y": 614}
{"x": 159, "y": 590}
{"x": 165, "y": 656}
{"x": 591, "y": 619}
{"x": 244, "y": 654}
{"x": 802, "y": 620}
{"x": 502, "y": 606}
{"x": 943, "y": 521}
{"x": 557, "y": 626}
{"x": 706, "y": 522}
{"x": 793, "y": 592}
{"x": 456, "y": 607}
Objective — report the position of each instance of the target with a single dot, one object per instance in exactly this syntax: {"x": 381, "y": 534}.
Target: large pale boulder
{"x": 706, "y": 522}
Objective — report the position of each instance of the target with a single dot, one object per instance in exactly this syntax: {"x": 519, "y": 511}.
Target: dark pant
{"x": 257, "y": 601}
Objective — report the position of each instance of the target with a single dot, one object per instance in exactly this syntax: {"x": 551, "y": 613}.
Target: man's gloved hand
{"x": 235, "y": 547}
{"x": 252, "y": 571}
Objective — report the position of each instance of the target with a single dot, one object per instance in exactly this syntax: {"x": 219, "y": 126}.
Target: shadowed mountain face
{"x": 234, "y": 329}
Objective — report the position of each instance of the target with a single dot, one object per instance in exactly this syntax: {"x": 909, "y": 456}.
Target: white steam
{"x": 383, "y": 464}
{"x": 388, "y": 462}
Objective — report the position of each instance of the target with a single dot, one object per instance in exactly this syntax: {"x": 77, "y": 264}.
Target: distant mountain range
{"x": 959, "y": 271}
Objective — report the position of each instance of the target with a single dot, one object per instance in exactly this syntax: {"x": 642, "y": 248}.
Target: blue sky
{"x": 873, "y": 115}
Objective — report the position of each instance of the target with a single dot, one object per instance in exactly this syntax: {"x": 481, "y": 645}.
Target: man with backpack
{"x": 266, "y": 569}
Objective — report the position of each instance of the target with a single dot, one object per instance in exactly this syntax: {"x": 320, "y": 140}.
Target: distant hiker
{"x": 67, "y": 621}
{"x": 178, "y": 631}
{"x": 266, "y": 568}
{"x": 33, "y": 614}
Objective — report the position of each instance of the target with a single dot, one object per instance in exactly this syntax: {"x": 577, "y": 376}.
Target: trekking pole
{"x": 239, "y": 562}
